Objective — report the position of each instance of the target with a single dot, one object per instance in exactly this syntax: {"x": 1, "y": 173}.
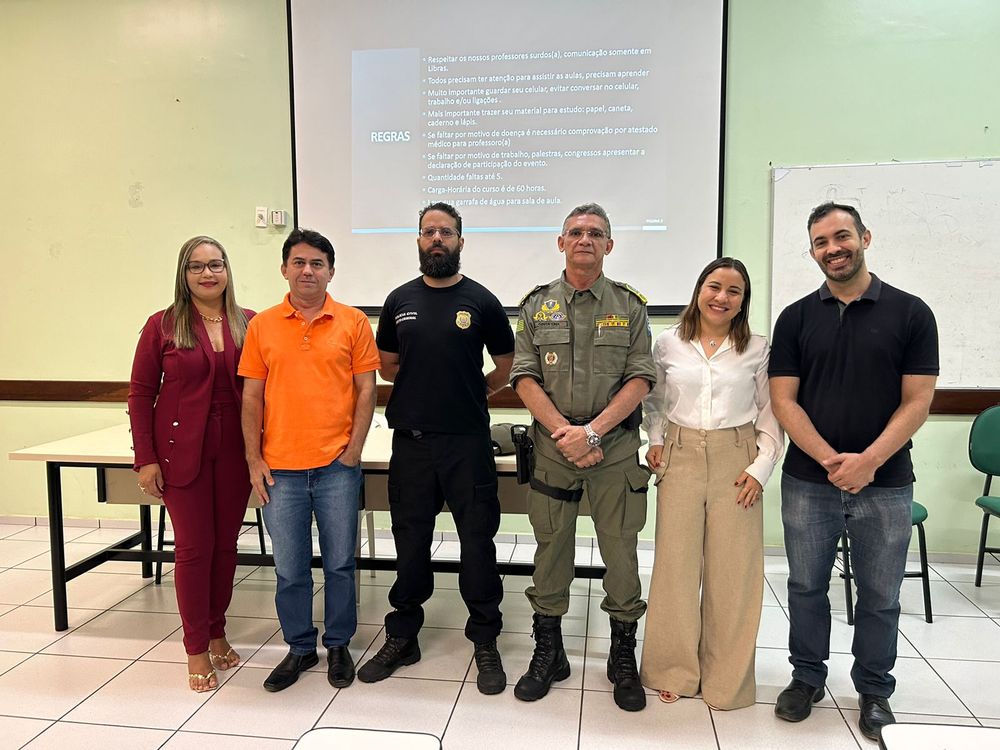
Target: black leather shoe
{"x": 795, "y": 702}
{"x": 395, "y": 653}
{"x": 492, "y": 679}
{"x": 286, "y": 673}
{"x": 875, "y": 714}
{"x": 339, "y": 666}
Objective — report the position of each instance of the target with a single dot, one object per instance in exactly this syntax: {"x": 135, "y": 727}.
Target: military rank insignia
{"x": 463, "y": 319}
{"x": 550, "y": 310}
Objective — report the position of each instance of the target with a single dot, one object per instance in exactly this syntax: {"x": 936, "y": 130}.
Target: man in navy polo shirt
{"x": 852, "y": 370}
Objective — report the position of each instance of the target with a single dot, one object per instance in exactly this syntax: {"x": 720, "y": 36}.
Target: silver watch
{"x": 593, "y": 439}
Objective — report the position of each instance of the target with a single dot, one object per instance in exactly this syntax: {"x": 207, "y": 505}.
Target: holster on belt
{"x": 524, "y": 452}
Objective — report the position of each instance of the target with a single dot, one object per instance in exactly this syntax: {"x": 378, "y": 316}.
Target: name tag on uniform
{"x": 610, "y": 321}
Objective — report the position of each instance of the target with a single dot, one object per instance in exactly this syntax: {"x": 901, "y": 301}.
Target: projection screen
{"x": 514, "y": 113}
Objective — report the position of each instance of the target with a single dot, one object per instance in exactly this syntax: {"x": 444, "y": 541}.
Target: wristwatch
{"x": 593, "y": 439}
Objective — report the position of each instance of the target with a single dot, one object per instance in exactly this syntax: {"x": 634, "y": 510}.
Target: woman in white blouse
{"x": 713, "y": 443}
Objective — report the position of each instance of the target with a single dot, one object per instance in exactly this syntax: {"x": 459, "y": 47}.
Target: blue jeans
{"x": 331, "y": 493}
{"x": 877, "y": 521}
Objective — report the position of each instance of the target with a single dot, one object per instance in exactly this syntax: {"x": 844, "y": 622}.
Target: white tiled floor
{"x": 117, "y": 677}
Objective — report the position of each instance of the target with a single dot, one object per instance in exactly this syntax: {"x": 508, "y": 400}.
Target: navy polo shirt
{"x": 850, "y": 361}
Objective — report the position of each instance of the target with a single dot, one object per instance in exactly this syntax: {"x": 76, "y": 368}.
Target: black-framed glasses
{"x": 446, "y": 233}
{"x": 215, "y": 266}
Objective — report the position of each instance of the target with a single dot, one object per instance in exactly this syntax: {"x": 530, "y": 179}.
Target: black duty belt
{"x": 557, "y": 493}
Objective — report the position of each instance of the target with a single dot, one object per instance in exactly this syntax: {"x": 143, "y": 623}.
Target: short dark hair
{"x": 825, "y": 209}
{"x": 311, "y": 238}
{"x": 446, "y": 208}
{"x": 591, "y": 209}
{"x": 739, "y": 327}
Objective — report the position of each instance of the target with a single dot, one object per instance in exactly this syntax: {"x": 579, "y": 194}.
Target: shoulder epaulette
{"x": 629, "y": 287}
{"x": 525, "y": 297}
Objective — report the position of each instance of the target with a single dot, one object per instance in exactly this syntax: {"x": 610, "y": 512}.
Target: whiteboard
{"x": 935, "y": 233}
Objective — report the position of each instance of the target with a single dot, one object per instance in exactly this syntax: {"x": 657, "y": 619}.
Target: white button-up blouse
{"x": 726, "y": 390}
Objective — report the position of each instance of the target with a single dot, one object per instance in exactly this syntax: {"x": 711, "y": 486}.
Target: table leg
{"x": 57, "y": 552}
{"x": 146, "y": 524}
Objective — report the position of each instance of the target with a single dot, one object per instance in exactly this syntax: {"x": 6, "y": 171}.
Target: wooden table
{"x": 109, "y": 452}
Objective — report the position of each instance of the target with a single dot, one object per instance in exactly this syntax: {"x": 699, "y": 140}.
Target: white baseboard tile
{"x": 121, "y": 523}
{"x": 19, "y": 520}
{"x": 962, "y": 558}
{"x": 80, "y": 523}
{"x": 452, "y": 536}
{"x": 912, "y": 556}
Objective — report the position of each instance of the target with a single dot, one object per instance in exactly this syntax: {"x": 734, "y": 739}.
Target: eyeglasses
{"x": 445, "y": 232}
{"x": 215, "y": 266}
{"x": 594, "y": 234}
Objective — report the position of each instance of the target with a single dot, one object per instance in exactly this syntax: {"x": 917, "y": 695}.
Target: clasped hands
{"x": 571, "y": 440}
{"x": 850, "y": 472}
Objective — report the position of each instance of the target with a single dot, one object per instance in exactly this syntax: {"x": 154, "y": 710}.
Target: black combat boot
{"x": 548, "y": 663}
{"x": 622, "y": 671}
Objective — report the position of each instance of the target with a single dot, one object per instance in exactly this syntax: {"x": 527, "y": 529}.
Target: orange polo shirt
{"x": 309, "y": 370}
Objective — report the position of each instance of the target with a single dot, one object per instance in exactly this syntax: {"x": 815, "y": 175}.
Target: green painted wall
{"x": 130, "y": 125}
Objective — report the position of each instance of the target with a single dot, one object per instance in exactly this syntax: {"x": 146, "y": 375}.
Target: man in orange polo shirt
{"x": 308, "y": 398}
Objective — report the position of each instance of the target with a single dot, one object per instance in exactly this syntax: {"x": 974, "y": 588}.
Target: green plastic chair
{"x": 918, "y": 514}
{"x": 984, "y": 453}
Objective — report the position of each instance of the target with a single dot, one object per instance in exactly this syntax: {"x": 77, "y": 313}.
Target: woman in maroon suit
{"x": 184, "y": 405}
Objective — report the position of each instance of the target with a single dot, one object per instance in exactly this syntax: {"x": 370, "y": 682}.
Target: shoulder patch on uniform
{"x": 525, "y": 297}
{"x": 629, "y": 287}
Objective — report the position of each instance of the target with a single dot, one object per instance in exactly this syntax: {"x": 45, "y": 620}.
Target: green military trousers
{"x": 617, "y": 495}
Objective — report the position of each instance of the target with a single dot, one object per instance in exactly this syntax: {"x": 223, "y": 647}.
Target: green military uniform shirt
{"x": 582, "y": 346}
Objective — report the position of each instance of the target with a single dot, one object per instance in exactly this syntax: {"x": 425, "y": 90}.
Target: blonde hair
{"x": 180, "y": 315}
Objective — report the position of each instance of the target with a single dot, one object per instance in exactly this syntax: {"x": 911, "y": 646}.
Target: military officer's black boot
{"x": 622, "y": 671}
{"x": 548, "y": 663}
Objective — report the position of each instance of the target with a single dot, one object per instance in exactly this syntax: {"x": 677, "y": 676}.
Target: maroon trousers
{"x": 207, "y": 515}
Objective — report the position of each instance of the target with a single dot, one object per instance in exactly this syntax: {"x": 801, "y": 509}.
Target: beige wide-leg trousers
{"x": 708, "y": 574}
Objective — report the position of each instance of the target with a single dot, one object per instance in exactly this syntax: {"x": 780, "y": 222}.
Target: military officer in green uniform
{"x": 582, "y": 364}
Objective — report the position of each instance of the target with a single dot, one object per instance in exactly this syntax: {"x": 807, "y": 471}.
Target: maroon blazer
{"x": 169, "y": 397}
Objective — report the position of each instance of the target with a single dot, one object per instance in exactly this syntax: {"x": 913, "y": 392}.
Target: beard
{"x": 439, "y": 266}
{"x": 849, "y": 271}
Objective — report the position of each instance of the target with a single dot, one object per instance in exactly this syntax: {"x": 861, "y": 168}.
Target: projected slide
{"x": 508, "y": 130}
{"x": 514, "y": 115}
